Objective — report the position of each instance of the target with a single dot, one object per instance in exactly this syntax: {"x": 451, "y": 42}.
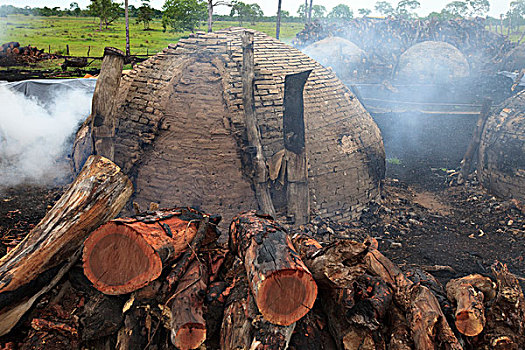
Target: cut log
{"x": 188, "y": 327}
{"x": 243, "y": 327}
{"x": 354, "y": 319}
{"x": 426, "y": 320}
{"x": 283, "y": 288}
{"x": 126, "y": 254}
{"x": 311, "y": 332}
{"x": 470, "y": 312}
{"x": 98, "y": 194}
{"x": 400, "y": 338}
{"x": 506, "y": 315}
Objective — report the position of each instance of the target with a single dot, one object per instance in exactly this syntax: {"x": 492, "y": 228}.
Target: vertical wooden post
{"x": 297, "y": 195}
{"x": 67, "y": 50}
{"x": 127, "y": 27}
{"x": 102, "y": 118}
{"x": 278, "y": 25}
{"x": 89, "y": 49}
{"x": 260, "y": 177}
{"x": 466, "y": 163}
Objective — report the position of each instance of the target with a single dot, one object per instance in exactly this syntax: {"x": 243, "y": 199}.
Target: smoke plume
{"x": 35, "y": 139}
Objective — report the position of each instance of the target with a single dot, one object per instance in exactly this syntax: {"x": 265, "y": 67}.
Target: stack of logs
{"x": 162, "y": 279}
{"x": 12, "y": 51}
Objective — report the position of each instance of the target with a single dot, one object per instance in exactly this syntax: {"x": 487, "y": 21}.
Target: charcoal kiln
{"x": 501, "y": 164}
{"x": 345, "y": 57}
{"x": 181, "y": 131}
{"x": 514, "y": 60}
{"x": 434, "y": 62}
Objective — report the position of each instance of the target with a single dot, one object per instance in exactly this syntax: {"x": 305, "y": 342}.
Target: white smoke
{"x": 36, "y": 139}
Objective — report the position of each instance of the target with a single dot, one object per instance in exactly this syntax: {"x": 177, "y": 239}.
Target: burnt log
{"x": 283, "y": 288}
{"x": 34, "y": 266}
{"x": 128, "y": 253}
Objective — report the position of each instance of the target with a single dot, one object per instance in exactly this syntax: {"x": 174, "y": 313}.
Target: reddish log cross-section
{"x": 283, "y": 288}
{"x": 127, "y": 254}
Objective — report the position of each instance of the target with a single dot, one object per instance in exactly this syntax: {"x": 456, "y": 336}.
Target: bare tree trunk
{"x": 278, "y": 26}
{"x": 210, "y": 15}
{"x": 127, "y": 26}
{"x": 305, "y": 11}
{"x": 310, "y": 11}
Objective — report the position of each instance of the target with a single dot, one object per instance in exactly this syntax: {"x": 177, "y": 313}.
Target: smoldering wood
{"x": 98, "y": 194}
{"x": 283, "y": 288}
{"x": 260, "y": 177}
{"x": 102, "y": 119}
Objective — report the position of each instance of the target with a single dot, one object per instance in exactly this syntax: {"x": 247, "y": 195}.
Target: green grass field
{"x": 80, "y": 33}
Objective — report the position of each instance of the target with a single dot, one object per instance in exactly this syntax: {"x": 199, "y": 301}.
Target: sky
{"x": 270, "y": 6}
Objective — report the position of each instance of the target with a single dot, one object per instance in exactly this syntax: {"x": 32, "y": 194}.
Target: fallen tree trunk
{"x": 283, "y": 288}
{"x": 127, "y": 254}
{"x": 188, "y": 327}
{"x": 470, "y": 312}
{"x": 98, "y": 194}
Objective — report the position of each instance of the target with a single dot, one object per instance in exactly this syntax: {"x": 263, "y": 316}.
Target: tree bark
{"x": 102, "y": 118}
{"x": 98, "y": 194}
{"x": 128, "y": 253}
{"x": 210, "y": 15}
{"x": 188, "y": 327}
{"x": 470, "y": 312}
{"x": 426, "y": 320}
{"x": 506, "y": 315}
{"x": 283, "y": 288}
{"x": 260, "y": 177}
{"x": 310, "y": 11}
{"x": 243, "y": 327}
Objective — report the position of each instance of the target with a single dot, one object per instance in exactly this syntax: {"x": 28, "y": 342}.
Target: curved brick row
{"x": 181, "y": 135}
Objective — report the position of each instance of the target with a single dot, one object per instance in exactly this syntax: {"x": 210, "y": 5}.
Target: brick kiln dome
{"x": 342, "y": 55}
{"x": 514, "y": 60}
{"x": 432, "y": 62}
{"x": 501, "y": 165}
{"x": 181, "y": 133}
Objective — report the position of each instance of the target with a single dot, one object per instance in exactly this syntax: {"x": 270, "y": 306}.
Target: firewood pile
{"x": 12, "y": 53}
{"x": 386, "y": 39}
{"x": 164, "y": 278}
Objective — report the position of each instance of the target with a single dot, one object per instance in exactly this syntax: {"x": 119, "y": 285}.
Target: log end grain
{"x": 117, "y": 260}
{"x": 190, "y": 336}
{"x": 286, "y": 296}
{"x": 469, "y": 323}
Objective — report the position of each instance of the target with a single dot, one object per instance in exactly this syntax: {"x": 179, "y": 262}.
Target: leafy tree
{"x": 364, "y": 12}
{"x": 75, "y": 9}
{"x": 243, "y": 11}
{"x": 404, "y": 8}
{"x": 301, "y": 11}
{"x": 478, "y": 7}
{"x": 183, "y": 15}
{"x": 318, "y": 11}
{"x": 384, "y": 8}
{"x": 106, "y": 10}
{"x": 145, "y": 14}
{"x": 341, "y": 11}
{"x": 456, "y": 9}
